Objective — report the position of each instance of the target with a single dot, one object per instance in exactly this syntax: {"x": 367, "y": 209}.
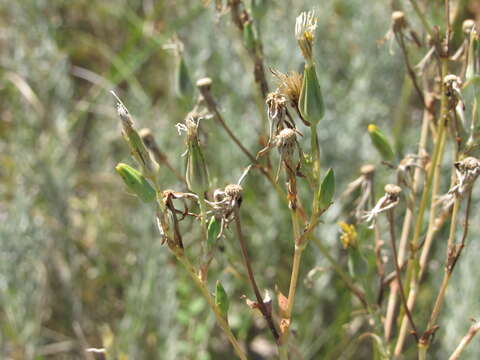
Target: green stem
{"x": 221, "y": 320}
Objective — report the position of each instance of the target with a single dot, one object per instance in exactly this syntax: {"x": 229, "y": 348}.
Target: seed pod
{"x": 136, "y": 182}
{"x": 221, "y": 299}
{"x": 380, "y": 142}
{"x": 327, "y": 190}
{"x": 310, "y": 103}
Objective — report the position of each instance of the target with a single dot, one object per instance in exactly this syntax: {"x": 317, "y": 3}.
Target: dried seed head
{"x": 305, "y": 33}
{"x": 233, "y": 191}
{"x": 386, "y": 202}
{"x": 286, "y": 140}
{"x": 467, "y": 171}
{"x": 450, "y": 79}
{"x": 204, "y": 84}
{"x": 467, "y": 26}
{"x": 289, "y": 84}
{"x": 398, "y": 20}
{"x": 468, "y": 164}
{"x": 277, "y": 106}
{"x": 453, "y": 85}
{"x": 393, "y": 190}
{"x": 367, "y": 169}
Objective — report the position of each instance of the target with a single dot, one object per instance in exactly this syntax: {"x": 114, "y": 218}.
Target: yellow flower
{"x": 349, "y": 235}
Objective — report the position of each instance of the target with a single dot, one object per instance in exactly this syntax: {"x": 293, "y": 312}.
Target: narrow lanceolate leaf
{"x": 380, "y": 142}
{"x": 310, "y": 103}
{"x": 136, "y": 182}
{"x": 185, "y": 86}
{"x": 249, "y": 36}
{"x": 212, "y": 232}
{"x": 327, "y": 190}
{"x": 221, "y": 299}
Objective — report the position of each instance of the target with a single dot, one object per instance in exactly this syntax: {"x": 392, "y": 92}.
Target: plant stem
{"x": 222, "y": 322}
{"x": 338, "y": 269}
{"x": 474, "y": 329}
{"x": 265, "y": 312}
{"x": 315, "y": 149}
{"x": 422, "y": 18}
{"x": 432, "y": 184}
{"x": 391, "y": 221}
{"x": 297, "y": 257}
{"x": 392, "y": 300}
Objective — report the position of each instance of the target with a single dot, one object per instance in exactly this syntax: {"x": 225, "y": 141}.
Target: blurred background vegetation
{"x": 81, "y": 264}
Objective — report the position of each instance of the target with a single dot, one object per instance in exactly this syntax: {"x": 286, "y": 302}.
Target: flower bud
{"x": 137, "y": 147}
{"x": 327, "y": 190}
{"x": 196, "y": 168}
{"x": 221, "y": 299}
{"x": 310, "y": 104}
{"x": 136, "y": 182}
{"x": 380, "y": 142}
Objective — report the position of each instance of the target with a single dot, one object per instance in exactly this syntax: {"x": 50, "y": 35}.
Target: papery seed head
{"x": 277, "y": 105}
{"x": 469, "y": 163}
{"x": 451, "y": 78}
{"x": 286, "y": 137}
{"x": 204, "y": 83}
{"x": 398, "y": 20}
{"x": 468, "y": 25}
{"x": 289, "y": 85}
{"x": 392, "y": 189}
{"x": 367, "y": 169}
{"x": 233, "y": 191}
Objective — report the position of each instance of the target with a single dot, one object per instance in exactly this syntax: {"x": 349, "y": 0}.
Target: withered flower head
{"x": 398, "y": 21}
{"x": 386, "y": 202}
{"x": 286, "y": 141}
{"x": 392, "y": 191}
{"x": 277, "y": 106}
{"x": 367, "y": 169}
{"x": 305, "y": 33}
{"x": 467, "y": 26}
{"x": 453, "y": 85}
{"x": 289, "y": 84}
{"x": 467, "y": 172}
{"x": 233, "y": 191}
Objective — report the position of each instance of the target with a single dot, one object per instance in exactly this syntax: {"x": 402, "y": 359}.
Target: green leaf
{"x": 136, "y": 182}
{"x": 212, "y": 231}
{"x": 248, "y": 36}
{"x": 327, "y": 190}
{"x": 380, "y": 142}
{"x": 185, "y": 88}
{"x": 221, "y": 299}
